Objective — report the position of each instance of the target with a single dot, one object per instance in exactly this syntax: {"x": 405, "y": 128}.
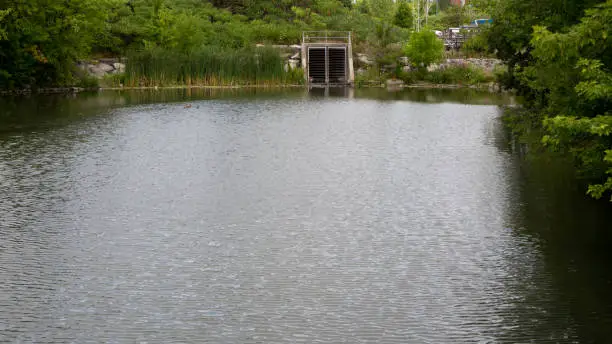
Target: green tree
{"x": 483, "y": 8}
{"x": 513, "y": 21}
{"x": 3, "y": 13}
{"x": 455, "y": 16}
{"x": 44, "y": 39}
{"x": 444, "y": 4}
{"x": 403, "y": 16}
{"x": 383, "y": 9}
{"x": 41, "y": 40}
{"x": 572, "y": 72}
{"x": 424, "y": 48}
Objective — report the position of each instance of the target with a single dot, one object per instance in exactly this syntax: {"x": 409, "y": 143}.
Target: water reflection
{"x": 572, "y": 232}
{"x": 462, "y": 96}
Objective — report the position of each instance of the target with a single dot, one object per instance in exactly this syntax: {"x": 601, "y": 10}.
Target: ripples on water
{"x": 327, "y": 220}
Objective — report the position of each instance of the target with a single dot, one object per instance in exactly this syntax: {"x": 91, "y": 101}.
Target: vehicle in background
{"x": 480, "y": 22}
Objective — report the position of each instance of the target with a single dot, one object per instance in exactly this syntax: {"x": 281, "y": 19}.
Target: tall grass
{"x": 209, "y": 66}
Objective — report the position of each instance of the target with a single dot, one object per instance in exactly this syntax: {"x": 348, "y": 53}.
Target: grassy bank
{"x": 448, "y": 77}
{"x": 460, "y": 75}
{"x": 208, "y": 66}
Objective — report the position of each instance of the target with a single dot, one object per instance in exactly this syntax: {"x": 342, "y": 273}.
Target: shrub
{"x": 424, "y": 48}
{"x": 369, "y": 77}
{"x": 88, "y": 81}
{"x": 412, "y": 76}
{"x": 113, "y": 80}
{"x": 457, "y": 75}
{"x": 475, "y": 45}
{"x": 403, "y": 16}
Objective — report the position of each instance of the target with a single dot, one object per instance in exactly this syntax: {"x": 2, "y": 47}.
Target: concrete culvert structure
{"x": 327, "y": 58}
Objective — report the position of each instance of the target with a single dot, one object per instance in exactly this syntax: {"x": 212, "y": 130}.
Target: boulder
{"x": 100, "y": 70}
{"x": 291, "y": 64}
{"x": 404, "y": 61}
{"x": 294, "y": 63}
{"x": 433, "y": 67}
{"x": 394, "y": 84}
{"x": 364, "y": 59}
{"x": 119, "y": 67}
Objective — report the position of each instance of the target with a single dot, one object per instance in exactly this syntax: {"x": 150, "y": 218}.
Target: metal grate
{"x": 317, "y": 65}
{"x": 337, "y": 65}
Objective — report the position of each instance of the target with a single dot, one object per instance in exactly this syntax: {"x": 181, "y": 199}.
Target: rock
{"x": 494, "y": 87}
{"x": 109, "y": 61}
{"x": 404, "y": 61}
{"x": 119, "y": 67}
{"x": 294, "y": 63}
{"x": 394, "y": 84}
{"x": 100, "y": 70}
{"x": 105, "y": 67}
{"x": 364, "y": 59}
{"x": 291, "y": 64}
{"x": 433, "y": 67}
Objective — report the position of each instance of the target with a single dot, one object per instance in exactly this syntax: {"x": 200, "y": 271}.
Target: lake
{"x": 291, "y": 216}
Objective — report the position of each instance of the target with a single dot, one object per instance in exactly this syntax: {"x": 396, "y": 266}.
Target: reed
{"x": 209, "y": 66}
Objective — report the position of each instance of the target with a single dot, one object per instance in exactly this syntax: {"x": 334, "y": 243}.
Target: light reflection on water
{"x": 276, "y": 217}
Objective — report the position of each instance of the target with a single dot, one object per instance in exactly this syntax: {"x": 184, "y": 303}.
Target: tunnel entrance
{"x": 327, "y": 58}
{"x": 317, "y": 65}
{"x": 327, "y": 65}
{"x": 337, "y": 65}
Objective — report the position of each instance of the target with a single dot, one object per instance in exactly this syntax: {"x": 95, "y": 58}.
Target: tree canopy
{"x": 404, "y": 16}
{"x": 41, "y": 40}
{"x": 559, "y": 57}
{"x": 424, "y": 48}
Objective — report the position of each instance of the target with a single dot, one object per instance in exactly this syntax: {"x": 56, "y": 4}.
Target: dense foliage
{"x": 41, "y": 40}
{"x": 212, "y": 66}
{"x": 424, "y": 48}
{"x": 404, "y": 16}
{"x": 559, "y": 55}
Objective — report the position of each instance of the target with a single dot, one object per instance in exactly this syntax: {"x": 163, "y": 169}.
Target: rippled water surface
{"x": 289, "y": 217}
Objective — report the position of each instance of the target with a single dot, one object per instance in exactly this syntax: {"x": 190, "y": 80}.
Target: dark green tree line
{"x": 41, "y": 40}
{"x": 559, "y": 57}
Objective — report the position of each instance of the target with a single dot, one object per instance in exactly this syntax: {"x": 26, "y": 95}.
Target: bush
{"x": 370, "y": 77}
{"x": 88, "y": 81}
{"x": 412, "y": 77}
{"x": 475, "y": 45}
{"x": 403, "y": 16}
{"x": 113, "y": 80}
{"x": 424, "y": 48}
{"x": 467, "y": 75}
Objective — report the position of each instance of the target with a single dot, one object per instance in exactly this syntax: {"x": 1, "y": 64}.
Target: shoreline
{"x": 493, "y": 88}
{"x": 75, "y": 90}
